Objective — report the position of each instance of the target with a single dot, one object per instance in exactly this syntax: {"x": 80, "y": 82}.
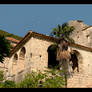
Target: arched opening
{"x": 21, "y": 59}
{"x": 15, "y": 58}
{"x": 76, "y": 59}
{"x": 52, "y": 51}
{"x": 22, "y": 53}
{"x": 14, "y": 68}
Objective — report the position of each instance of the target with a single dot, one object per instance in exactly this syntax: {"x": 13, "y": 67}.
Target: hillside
{"x": 6, "y": 34}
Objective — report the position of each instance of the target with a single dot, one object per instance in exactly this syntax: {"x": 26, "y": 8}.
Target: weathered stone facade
{"x": 82, "y": 34}
{"x": 33, "y": 56}
{"x": 83, "y": 78}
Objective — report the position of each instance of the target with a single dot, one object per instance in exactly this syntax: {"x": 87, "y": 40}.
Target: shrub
{"x": 1, "y": 85}
{"x": 31, "y": 80}
{"x": 54, "y": 82}
{"x": 1, "y": 75}
{"x": 9, "y": 84}
{"x": 49, "y": 79}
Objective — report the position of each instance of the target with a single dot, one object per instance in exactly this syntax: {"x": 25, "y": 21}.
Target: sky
{"x": 18, "y": 19}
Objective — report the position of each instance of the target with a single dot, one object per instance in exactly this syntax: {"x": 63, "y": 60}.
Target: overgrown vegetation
{"x": 5, "y": 48}
{"x": 1, "y": 75}
{"x": 63, "y": 31}
{"x": 49, "y": 79}
{"x": 6, "y": 34}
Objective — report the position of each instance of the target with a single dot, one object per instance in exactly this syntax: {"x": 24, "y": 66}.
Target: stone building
{"x": 82, "y": 34}
{"x": 32, "y": 54}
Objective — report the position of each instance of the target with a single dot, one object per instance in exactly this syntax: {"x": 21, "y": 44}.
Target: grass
{"x": 6, "y": 34}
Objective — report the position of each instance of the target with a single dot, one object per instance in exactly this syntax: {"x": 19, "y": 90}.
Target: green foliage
{"x": 9, "y": 84}
{"x": 49, "y": 79}
{"x": 6, "y": 34}
{"x": 28, "y": 81}
{"x": 54, "y": 82}
{"x": 31, "y": 80}
{"x": 1, "y": 75}
{"x": 4, "y": 48}
{"x": 63, "y": 31}
{"x": 1, "y": 85}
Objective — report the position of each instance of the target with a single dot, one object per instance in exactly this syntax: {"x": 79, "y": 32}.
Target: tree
{"x": 4, "y": 48}
{"x": 63, "y": 56}
{"x": 63, "y": 31}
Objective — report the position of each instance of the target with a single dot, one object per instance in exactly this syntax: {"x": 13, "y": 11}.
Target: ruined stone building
{"x": 32, "y": 53}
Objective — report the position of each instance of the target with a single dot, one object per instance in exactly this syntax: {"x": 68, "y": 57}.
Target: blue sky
{"x": 18, "y": 19}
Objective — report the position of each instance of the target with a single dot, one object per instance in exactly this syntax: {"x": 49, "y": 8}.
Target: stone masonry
{"x": 33, "y": 56}
{"x": 36, "y": 58}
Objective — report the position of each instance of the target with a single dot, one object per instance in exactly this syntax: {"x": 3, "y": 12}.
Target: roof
{"x": 81, "y": 47}
{"x": 12, "y": 39}
{"x": 87, "y": 27}
{"x": 28, "y": 36}
{"x": 43, "y": 37}
{"x": 13, "y": 45}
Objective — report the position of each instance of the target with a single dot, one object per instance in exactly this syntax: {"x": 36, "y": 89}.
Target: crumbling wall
{"x": 83, "y": 78}
{"x": 82, "y": 34}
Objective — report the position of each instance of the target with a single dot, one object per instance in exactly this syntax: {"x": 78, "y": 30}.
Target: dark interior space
{"x": 52, "y": 62}
{"x": 74, "y": 61}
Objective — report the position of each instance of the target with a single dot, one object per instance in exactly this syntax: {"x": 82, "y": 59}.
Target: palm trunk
{"x": 65, "y": 79}
{"x": 65, "y": 73}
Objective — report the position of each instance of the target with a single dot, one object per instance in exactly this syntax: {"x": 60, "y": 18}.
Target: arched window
{"x": 76, "y": 59}
{"x": 21, "y": 60}
{"x": 22, "y": 53}
{"x": 14, "y": 65}
{"x": 52, "y": 61}
{"x": 15, "y": 59}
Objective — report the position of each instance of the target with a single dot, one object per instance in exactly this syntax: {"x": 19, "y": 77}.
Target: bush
{"x": 49, "y": 79}
{"x": 54, "y": 82}
{"x": 1, "y": 85}
{"x": 9, "y": 84}
{"x": 40, "y": 80}
{"x": 1, "y": 75}
{"x": 31, "y": 80}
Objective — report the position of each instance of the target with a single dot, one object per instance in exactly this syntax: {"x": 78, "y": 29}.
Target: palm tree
{"x": 63, "y": 32}
{"x": 63, "y": 55}
{"x": 4, "y": 48}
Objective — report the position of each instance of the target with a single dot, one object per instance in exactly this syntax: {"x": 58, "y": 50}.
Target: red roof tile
{"x": 12, "y": 39}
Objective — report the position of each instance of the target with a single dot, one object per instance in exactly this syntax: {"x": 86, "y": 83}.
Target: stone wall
{"x": 37, "y": 55}
{"x": 81, "y": 36}
{"x": 36, "y": 58}
{"x": 83, "y": 78}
